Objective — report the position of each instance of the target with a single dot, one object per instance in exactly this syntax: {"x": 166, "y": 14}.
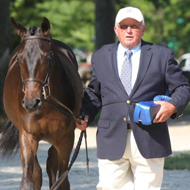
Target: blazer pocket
{"x": 103, "y": 123}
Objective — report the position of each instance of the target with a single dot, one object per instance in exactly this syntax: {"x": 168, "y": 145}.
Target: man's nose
{"x": 129, "y": 29}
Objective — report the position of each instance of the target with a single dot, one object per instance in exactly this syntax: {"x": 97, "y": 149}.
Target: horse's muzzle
{"x": 32, "y": 105}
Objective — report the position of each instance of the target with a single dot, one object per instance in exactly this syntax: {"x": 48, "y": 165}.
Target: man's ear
{"x": 144, "y": 29}
{"x": 115, "y": 29}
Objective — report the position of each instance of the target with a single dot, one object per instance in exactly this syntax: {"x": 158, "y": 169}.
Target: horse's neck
{"x": 61, "y": 83}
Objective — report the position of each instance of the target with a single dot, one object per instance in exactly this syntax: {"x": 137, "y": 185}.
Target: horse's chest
{"x": 48, "y": 127}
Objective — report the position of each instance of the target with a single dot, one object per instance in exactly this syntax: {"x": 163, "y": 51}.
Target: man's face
{"x": 129, "y": 32}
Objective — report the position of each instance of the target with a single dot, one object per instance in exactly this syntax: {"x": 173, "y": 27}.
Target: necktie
{"x": 126, "y": 72}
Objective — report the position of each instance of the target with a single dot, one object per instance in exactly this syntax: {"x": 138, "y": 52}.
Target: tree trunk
{"x": 5, "y": 37}
{"x": 104, "y": 23}
{"x": 5, "y": 44}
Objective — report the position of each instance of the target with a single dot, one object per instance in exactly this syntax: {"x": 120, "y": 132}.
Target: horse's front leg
{"x": 58, "y": 162}
{"x": 64, "y": 150}
{"x": 52, "y": 165}
{"x": 32, "y": 174}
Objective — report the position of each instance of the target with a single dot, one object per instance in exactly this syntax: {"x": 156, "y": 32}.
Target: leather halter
{"x": 36, "y": 37}
{"x": 45, "y": 83}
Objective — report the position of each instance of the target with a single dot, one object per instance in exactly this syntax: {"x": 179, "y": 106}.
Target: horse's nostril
{"x": 23, "y": 102}
{"x": 32, "y": 105}
{"x": 37, "y": 103}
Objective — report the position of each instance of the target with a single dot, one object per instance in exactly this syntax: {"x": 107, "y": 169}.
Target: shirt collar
{"x": 122, "y": 49}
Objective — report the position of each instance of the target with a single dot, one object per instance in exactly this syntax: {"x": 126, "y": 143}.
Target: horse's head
{"x": 35, "y": 58}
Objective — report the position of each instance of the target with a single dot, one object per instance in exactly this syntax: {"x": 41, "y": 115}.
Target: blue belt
{"x": 146, "y": 111}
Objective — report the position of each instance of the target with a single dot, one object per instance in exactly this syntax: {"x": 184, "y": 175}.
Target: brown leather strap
{"x": 36, "y": 37}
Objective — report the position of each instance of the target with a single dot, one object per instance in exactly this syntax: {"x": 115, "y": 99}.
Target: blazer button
{"x": 124, "y": 119}
{"x": 128, "y": 101}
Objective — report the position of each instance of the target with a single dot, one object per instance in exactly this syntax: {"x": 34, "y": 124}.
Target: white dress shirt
{"x": 135, "y": 59}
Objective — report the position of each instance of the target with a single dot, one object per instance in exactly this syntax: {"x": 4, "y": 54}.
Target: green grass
{"x": 178, "y": 162}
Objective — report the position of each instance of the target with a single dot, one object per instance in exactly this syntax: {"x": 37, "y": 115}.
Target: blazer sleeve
{"x": 91, "y": 102}
{"x": 177, "y": 85}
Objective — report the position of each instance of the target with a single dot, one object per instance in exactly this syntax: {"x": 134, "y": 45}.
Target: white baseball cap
{"x": 129, "y": 12}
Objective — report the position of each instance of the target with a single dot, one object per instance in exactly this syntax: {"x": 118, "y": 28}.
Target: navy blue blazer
{"x": 158, "y": 72}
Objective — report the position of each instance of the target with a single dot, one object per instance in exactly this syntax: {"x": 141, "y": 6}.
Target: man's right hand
{"x": 82, "y": 124}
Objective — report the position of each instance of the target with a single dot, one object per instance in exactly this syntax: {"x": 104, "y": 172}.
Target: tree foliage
{"x": 71, "y": 21}
{"x": 176, "y": 34}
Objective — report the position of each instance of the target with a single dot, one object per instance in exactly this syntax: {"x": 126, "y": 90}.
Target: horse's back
{"x": 64, "y": 49}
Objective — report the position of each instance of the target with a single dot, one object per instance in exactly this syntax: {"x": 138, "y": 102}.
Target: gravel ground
{"x": 11, "y": 171}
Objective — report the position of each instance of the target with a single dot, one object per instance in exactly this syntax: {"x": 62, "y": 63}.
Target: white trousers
{"x": 132, "y": 171}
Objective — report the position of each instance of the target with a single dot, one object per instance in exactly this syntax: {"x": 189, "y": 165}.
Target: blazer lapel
{"x": 112, "y": 60}
{"x": 145, "y": 60}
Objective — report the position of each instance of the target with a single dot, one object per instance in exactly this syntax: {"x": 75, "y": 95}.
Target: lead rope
{"x": 70, "y": 113}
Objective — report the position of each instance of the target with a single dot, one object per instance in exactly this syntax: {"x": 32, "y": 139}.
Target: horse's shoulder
{"x": 64, "y": 49}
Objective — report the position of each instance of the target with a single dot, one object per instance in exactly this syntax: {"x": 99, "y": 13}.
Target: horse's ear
{"x": 19, "y": 28}
{"x": 45, "y": 26}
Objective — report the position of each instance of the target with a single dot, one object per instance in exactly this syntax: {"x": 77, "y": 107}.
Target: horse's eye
{"x": 18, "y": 60}
{"x": 49, "y": 60}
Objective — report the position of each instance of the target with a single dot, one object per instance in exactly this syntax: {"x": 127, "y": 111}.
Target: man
{"x": 131, "y": 155}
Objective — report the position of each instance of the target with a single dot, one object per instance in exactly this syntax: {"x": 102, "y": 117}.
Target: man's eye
{"x": 124, "y": 26}
{"x": 134, "y": 26}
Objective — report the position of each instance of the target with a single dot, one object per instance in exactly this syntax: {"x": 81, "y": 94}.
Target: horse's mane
{"x": 64, "y": 50}
{"x": 65, "y": 70}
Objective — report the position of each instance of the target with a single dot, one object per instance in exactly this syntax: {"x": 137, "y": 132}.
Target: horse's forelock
{"x": 33, "y": 30}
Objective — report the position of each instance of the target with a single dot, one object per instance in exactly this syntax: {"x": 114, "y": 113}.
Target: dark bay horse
{"x": 40, "y": 67}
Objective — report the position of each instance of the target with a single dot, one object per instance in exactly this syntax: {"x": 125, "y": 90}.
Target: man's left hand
{"x": 166, "y": 110}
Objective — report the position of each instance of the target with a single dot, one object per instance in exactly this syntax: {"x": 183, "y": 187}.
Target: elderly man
{"x": 131, "y": 155}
